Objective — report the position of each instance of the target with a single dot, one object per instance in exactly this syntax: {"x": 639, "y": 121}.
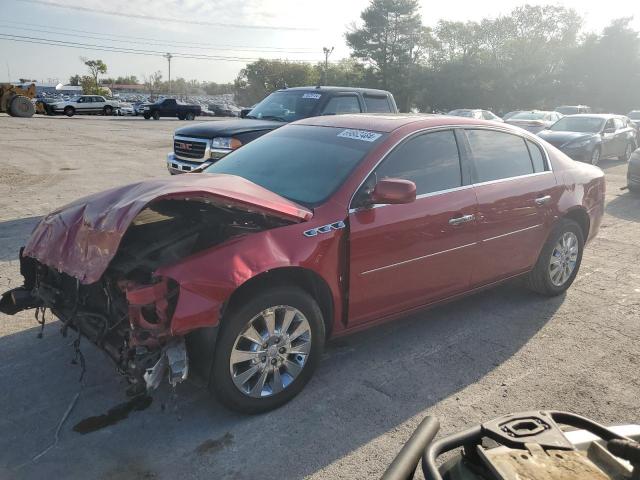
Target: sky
{"x": 224, "y": 34}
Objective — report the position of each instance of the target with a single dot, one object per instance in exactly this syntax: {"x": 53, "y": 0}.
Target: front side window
{"x": 498, "y": 155}
{"x": 342, "y": 104}
{"x": 303, "y": 163}
{"x": 429, "y": 160}
{"x": 377, "y": 104}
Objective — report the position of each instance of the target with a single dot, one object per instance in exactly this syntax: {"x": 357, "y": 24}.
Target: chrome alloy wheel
{"x": 270, "y": 353}
{"x": 595, "y": 156}
{"x": 563, "y": 259}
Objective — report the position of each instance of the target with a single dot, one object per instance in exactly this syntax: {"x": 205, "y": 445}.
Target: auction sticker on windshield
{"x": 364, "y": 135}
{"x": 315, "y": 96}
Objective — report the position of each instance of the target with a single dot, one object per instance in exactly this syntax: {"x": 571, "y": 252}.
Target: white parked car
{"x": 85, "y": 104}
{"x": 126, "y": 109}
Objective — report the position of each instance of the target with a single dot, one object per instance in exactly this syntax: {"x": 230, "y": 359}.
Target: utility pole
{"x": 168, "y": 56}
{"x": 327, "y": 52}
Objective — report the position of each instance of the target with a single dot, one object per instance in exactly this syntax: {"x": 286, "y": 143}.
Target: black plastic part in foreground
{"x": 405, "y": 463}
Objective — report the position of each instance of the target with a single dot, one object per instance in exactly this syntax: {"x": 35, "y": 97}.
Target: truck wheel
{"x": 180, "y": 116}
{"x": 267, "y": 350}
{"x": 559, "y": 260}
{"x": 107, "y": 110}
{"x": 146, "y": 116}
{"x": 156, "y": 116}
{"x": 69, "y": 111}
{"x": 21, "y": 106}
{"x": 190, "y": 116}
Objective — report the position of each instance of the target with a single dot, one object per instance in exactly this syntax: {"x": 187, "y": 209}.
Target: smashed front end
{"x": 126, "y": 308}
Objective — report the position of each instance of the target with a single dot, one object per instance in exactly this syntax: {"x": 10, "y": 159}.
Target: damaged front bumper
{"x": 131, "y": 322}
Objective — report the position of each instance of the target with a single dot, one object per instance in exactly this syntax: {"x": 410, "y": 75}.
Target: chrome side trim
{"x": 501, "y": 180}
{"x": 417, "y": 258}
{"x": 511, "y": 233}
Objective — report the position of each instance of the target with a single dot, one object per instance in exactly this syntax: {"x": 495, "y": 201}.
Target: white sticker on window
{"x": 363, "y": 135}
{"x": 315, "y": 96}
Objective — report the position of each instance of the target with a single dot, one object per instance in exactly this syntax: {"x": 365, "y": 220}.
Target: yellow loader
{"x": 16, "y": 100}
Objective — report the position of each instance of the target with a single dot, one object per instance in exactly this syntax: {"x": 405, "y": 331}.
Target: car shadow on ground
{"x": 13, "y": 234}
{"x": 625, "y": 206}
{"x": 367, "y": 384}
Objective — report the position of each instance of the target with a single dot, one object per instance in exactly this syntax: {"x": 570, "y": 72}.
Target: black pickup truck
{"x": 198, "y": 146}
{"x": 170, "y": 107}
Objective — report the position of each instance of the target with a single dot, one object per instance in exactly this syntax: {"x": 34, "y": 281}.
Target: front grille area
{"x": 189, "y": 148}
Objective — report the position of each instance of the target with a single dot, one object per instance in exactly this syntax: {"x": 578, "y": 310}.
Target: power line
{"x": 162, "y": 19}
{"x": 133, "y": 51}
{"x": 154, "y": 42}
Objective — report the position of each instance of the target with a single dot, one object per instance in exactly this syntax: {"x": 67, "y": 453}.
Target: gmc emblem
{"x": 183, "y": 146}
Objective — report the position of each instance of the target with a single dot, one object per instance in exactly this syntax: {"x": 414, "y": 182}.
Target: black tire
{"x": 156, "y": 116}
{"x": 107, "y": 110}
{"x": 146, "y": 116}
{"x": 180, "y": 116}
{"x": 594, "y": 159}
{"x": 190, "y": 116}
{"x": 539, "y": 279}
{"x": 235, "y": 321}
{"x": 628, "y": 150}
{"x": 21, "y": 106}
{"x": 69, "y": 111}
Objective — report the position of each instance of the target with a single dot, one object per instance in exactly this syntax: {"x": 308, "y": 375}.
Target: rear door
{"x": 98, "y": 103}
{"x": 403, "y": 256}
{"x": 516, "y": 191}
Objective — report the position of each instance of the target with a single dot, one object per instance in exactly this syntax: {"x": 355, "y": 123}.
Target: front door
{"x": 516, "y": 191}
{"x": 403, "y": 256}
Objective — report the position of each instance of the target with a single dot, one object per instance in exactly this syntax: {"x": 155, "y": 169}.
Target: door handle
{"x": 461, "y": 219}
{"x": 543, "y": 200}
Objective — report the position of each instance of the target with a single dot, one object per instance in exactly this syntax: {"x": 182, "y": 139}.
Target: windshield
{"x": 568, "y": 110}
{"x": 462, "y": 113}
{"x": 305, "y": 164}
{"x": 286, "y": 106}
{"x": 528, "y": 116}
{"x": 635, "y": 115}
{"x": 578, "y": 124}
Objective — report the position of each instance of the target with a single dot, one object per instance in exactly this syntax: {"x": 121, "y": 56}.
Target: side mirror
{"x": 244, "y": 112}
{"x": 393, "y": 191}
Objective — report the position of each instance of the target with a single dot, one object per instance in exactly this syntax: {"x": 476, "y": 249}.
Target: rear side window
{"x": 343, "y": 104}
{"x": 498, "y": 155}
{"x": 377, "y": 104}
{"x": 431, "y": 161}
{"x": 537, "y": 158}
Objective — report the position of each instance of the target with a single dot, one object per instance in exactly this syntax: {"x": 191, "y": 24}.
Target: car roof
{"x": 389, "y": 122}
{"x": 604, "y": 116}
{"x": 334, "y": 89}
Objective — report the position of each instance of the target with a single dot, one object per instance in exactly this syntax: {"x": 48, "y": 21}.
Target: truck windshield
{"x": 302, "y": 163}
{"x": 286, "y": 106}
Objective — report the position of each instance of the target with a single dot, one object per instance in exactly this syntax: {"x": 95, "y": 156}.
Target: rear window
{"x": 303, "y": 163}
{"x": 498, "y": 155}
{"x": 377, "y": 104}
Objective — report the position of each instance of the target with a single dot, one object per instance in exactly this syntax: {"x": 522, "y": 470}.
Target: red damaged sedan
{"x": 320, "y": 228}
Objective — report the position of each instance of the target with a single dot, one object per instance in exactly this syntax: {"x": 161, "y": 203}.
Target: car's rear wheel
{"x": 180, "y": 116}
{"x": 156, "y": 116}
{"x": 107, "y": 110}
{"x": 190, "y": 116}
{"x": 267, "y": 350}
{"x": 146, "y": 116}
{"x": 595, "y": 156}
{"x": 69, "y": 111}
{"x": 559, "y": 260}
{"x": 628, "y": 150}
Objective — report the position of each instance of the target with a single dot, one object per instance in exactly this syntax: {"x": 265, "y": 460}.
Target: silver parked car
{"x": 475, "y": 113}
{"x": 534, "y": 121}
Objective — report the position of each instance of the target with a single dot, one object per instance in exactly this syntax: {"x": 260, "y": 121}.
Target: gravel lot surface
{"x": 496, "y": 352}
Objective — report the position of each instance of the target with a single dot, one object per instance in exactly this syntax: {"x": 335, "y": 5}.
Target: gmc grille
{"x": 189, "y": 148}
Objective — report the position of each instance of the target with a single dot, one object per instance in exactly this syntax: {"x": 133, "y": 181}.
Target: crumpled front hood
{"x": 82, "y": 237}
{"x": 560, "y": 139}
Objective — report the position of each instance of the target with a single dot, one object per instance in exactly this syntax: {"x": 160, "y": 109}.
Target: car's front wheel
{"x": 559, "y": 260}
{"x": 108, "y": 110}
{"x": 628, "y": 150}
{"x": 595, "y": 156}
{"x": 156, "y": 116}
{"x": 190, "y": 116}
{"x": 267, "y": 350}
{"x": 69, "y": 111}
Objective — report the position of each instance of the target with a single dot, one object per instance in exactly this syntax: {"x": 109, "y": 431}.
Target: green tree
{"x": 96, "y": 67}
{"x": 391, "y": 40}
{"x": 75, "y": 80}
{"x": 260, "y": 78}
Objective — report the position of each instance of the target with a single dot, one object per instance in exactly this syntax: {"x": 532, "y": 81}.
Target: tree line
{"x": 533, "y": 57}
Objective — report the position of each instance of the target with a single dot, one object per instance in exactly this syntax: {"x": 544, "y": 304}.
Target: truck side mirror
{"x": 244, "y": 112}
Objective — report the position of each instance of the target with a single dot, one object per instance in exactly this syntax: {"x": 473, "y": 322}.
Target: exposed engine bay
{"x": 128, "y": 312}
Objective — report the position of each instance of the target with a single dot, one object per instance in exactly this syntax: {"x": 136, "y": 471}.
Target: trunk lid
{"x": 82, "y": 237}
